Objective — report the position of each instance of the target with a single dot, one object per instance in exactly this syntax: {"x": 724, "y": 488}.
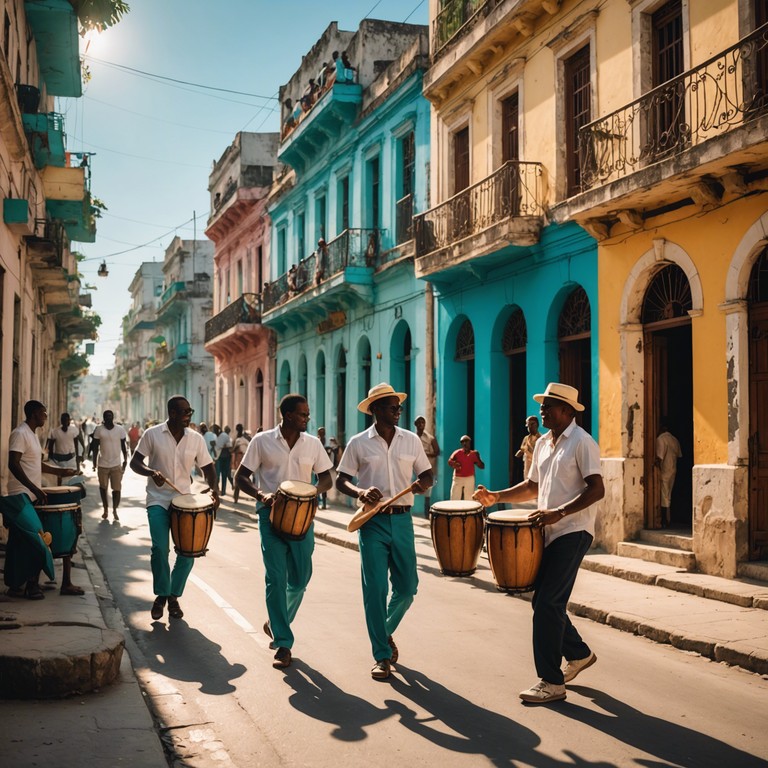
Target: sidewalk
{"x": 721, "y": 619}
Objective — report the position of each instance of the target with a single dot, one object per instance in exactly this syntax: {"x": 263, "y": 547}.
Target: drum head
{"x": 54, "y": 489}
{"x": 298, "y": 489}
{"x": 192, "y": 501}
{"x": 519, "y": 516}
{"x": 456, "y": 506}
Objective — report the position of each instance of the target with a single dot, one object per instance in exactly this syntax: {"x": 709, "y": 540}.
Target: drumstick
{"x": 363, "y": 515}
{"x": 169, "y": 483}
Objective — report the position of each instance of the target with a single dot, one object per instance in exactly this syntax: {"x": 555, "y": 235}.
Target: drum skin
{"x": 293, "y": 509}
{"x": 515, "y": 549}
{"x": 457, "y": 535}
{"x": 191, "y": 523}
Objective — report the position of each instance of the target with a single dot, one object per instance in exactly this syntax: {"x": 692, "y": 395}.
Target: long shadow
{"x": 667, "y": 741}
{"x": 317, "y": 697}
{"x": 476, "y": 730}
{"x": 176, "y": 651}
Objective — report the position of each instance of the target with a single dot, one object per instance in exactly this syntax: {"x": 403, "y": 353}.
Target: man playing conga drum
{"x": 286, "y": 452}
{"x": 566, "y": 478}
{"x": 384, "y": 459}
{"x": 171, "y": 449}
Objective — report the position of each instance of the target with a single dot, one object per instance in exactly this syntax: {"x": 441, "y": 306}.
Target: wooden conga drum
{"x": 192, "y": 517}
{"x": 293, "y": 509}
{"x": 457, "y": 535}
{"x": 515, "y": 549}
{"x": 61, "y": 516}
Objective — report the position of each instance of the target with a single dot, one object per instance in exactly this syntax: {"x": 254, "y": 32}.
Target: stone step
{"x": 677, "y": 558}
{"x": 753, "y": 570}
{"x": 670, "y": 539}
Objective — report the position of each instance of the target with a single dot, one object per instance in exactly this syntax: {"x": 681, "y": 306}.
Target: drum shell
{"x": 457, "y": 537}
{"x": 515, "y": 550}
{"x": 291, "y": 516}
{"x": 191, "y": 529}
{"x": 62, "y": 521}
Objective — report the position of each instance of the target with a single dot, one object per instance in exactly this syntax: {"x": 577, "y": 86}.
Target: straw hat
{"x": 377, "y": 393}
{"x": 562, "y": 392}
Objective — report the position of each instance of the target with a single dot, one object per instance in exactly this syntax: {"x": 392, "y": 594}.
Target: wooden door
{"x": 758, "y": 431}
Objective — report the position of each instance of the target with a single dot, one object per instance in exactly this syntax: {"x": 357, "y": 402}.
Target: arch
{"x": 401, "y": 369}
{"x": 341, "y": 395}
{"x": 259, "y": 406}
{"x": 319, "y": 404}
{"x": 284, "y": 382}
{"x": 574, "y": 336}
{"x": 302, "y": 375}
{"x": 458, "y": 397}
{"x": 363, "y": 379}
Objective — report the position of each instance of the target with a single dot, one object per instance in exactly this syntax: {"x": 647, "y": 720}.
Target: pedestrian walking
{"x": 528, "y": 444}
{"x": 385, "y": 459}
{"x": 286, "y": 452}
{"x": 239, "y": 447}
{"x": 463, "y": 462}
{"x": 667, "y": 454}
{"x": 171, "y": 450}
{"x": 566, "y": 480}
{"x": 108, "y": 442}
{"x": 432, "y": 450}
{"x": 66, "y": 447}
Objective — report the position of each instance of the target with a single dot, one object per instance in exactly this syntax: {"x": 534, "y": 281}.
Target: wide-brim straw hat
{"x": 377, "y": 393}
{"x": 562, "y": 392}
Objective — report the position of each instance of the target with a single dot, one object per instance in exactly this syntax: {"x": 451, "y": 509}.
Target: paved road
{"x": 465, "y": 653}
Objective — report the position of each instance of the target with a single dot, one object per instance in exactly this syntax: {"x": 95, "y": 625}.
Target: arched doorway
{"x": 668, "y": 389}
{"x": 465, "y": 357}
{"x": 341, "y": 397}
{"x": 757, "y": 297}
{"x": 302, "y": 382}
{"x": 574, "y": 334}
{"x": 513, "y": 345}
{"x": 319, "y": 404}
{"x": 364, "y": 379}
{"x": 284, "y": 384}
{"x": 401, "y": 370}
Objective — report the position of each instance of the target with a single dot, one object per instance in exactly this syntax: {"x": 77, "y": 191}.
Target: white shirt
{"x": 110, "y": 445}
{"x": 668, "y": 452}
{"x": 559, "y": 469}
{"x": 24, "y": 441}
{"x": 223, "y": 440}
{"x": 269, "y": 456}
{"x": 64, "y": 442}
{"x": 391, "y": 468}
{"x": 174, "y": 460}
{"x": 210, "y": 441}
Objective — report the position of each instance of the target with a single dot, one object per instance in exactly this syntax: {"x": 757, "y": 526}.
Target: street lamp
{"x": 103, "y": 271}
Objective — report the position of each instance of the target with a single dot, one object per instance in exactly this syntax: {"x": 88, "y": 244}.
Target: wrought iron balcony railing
{"x": 454, "y": 18}
{"x": 352, "y": 248}
{"x": 404, "y": 220}
{"x": 245, "y": 309}
{"x": 707, "y": 101}
{"x": 514, "y": 190}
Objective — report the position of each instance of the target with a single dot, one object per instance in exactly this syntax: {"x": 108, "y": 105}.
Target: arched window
{"x": 668, "y": 296}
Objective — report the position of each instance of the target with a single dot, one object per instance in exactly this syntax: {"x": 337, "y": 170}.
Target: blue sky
{"x": 155, "y": 141}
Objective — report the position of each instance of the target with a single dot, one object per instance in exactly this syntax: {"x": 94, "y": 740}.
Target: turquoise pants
{"x": 288, "y": 569}
{"x": 163, "y": 581}
{"x": 387, "y": 547}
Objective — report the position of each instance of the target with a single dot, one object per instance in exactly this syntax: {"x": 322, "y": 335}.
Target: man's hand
{"x": 485, "y": 497}
{"x": 68, "y": 472}
{"x": 267, "y": 499}
{"x": 546, "y": 516}
{"x": 371, "y": 496}
{"x": 158, "y": 477}
{"x": 41, "y": 497}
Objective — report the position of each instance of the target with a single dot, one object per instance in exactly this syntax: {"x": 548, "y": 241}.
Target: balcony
{"x": 141, "y": 319}
{"x": 171, "y": 360}
{"x": 236, "y": 329}
{"x": 321, "y": 126}
{"x": 482, "y": 222}
{"x": 455, "y": 18}
{"x": 336, "y": 280}
{"x": 45, "y": 134}
{"x": 77, "y": 216}
{"x": 695, "y": 138}
{"x": 18, "y": 216}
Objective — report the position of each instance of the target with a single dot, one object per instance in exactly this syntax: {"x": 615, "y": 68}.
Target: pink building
{"x": 243, "y": 348}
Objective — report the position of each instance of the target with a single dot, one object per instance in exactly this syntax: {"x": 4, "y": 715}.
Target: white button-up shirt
{"x": 24, "y": 441}
{"x": 391, "y": 468}
{"x": 272, "y": 460}
{"x": 559, "y": 469}
{"x": 174, "y": 460}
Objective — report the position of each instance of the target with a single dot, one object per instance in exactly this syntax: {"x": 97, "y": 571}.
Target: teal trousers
{"x": 165, "y": 582}
{"x": 387, "y": 554}
{"x": 288, "y": 569}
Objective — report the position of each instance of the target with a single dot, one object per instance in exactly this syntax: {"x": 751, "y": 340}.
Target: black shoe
{"x": 174, "y": 609}
{"x": 395, "y": 653}
{"x": 381, "y": 669}
{"x": 282, "y": 658}
{"x": 157, "y": 608}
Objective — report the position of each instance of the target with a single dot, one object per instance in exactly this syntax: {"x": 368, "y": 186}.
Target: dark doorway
{"x": 513, "y": 345}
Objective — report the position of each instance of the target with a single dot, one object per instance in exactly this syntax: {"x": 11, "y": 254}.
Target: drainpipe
{"x": 429, "y": 394}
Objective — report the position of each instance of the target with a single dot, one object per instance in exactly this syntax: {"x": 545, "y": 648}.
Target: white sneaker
{"x": 543, "y": 692}
{"x": 572, "y": 668}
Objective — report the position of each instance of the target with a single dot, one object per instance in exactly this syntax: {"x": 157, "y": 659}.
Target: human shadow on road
{"x": 672, "y": 743}
{"x": 176, "y": 651}
{"x": 317, "y": 697}
{"x": 475, "y": 729}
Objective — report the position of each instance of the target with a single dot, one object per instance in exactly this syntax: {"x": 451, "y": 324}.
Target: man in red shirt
{"x": 463, "y": 462}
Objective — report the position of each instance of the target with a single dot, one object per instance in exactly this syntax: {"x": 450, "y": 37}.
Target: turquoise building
{"x": 342, "y": 297}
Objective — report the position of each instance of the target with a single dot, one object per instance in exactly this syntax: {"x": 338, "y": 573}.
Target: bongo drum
{"x": 293, "y": 509}
{"x": 62, "y": 518}
{"x": 191, "y": 523}
{"x": 515, "y": 549}
{"x": 457, "y": 535}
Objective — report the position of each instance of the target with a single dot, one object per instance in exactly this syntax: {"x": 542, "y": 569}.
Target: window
{"x": 320, "y": 214}
{"x": 344, "y": 204}
{"x": 408, "y": 145}
{"x": 578, "y": 111}
{"x": 460, "y": 160}
{"x": 510, "y": 121}
{"x": 239, "y": 277}
{"x": 407, "y": 183}
{"x": 282, "y": 266}
{"x": 668, "y": 108}
{"x": 374, "y": 193}
{"x": 301, "y": 246}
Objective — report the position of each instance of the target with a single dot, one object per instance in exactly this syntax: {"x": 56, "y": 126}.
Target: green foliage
{"x": 99, "y": 14}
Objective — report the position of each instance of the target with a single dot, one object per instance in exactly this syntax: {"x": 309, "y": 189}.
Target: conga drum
{"x": 191, "y": 523}
{"x": 457, "y": 535}
{"x": 293, "y": 509}
{"x": 61, "y": 516}
{"x": 515, "y": 549}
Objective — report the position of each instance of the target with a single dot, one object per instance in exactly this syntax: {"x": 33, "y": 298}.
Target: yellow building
{"x": 649, "y": 119}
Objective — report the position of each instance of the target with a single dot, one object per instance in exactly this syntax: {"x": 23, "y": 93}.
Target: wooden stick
{"x": 170, "y": 484}
{"x": 363, "y": 514}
